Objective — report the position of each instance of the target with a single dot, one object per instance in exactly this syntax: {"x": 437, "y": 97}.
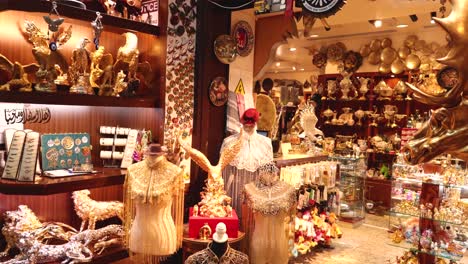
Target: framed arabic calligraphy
{"x": 28, "y": 163}
{"x": 14, "y": 155}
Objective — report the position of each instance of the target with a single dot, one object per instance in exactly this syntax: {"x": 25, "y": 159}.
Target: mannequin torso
{"x": 154, "y": 191}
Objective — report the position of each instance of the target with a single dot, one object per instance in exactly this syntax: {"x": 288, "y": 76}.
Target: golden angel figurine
{"x": 45, "y": 54}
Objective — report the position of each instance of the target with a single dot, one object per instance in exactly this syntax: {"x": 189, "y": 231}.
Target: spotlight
{"x": 432, "y": 21}
{"x": 294, "y": 68}
{"x": 402, "y": 26}
{"x": 378, "y": 23}
{"x": 414, "y": 18}
{"x": 278, "y": 64}
{"x": 301, "y": 69}
{"x": 433, "y": 14}
{"x": 313, "y": 36}
{"x": 292, "y": 49}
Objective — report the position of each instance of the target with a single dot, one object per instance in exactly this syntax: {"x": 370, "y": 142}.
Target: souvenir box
{"x": 197, "y": 222}
{"x": 63, "y": 151}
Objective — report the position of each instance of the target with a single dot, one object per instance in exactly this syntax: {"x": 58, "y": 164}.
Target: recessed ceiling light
{"x": 294, "y": 68}
{"x": 378, "y": 23}
{"x": 402, "y": 26}
{"x": 301, "y": 69}
{"x": 278, "y": 64}
{"x": 292, "y": 49}
{"x": 313, "y": 36}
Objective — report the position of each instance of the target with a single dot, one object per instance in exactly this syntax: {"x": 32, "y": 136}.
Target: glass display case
{"x": 428, "y": 215}
{"x": 351, "y": 185}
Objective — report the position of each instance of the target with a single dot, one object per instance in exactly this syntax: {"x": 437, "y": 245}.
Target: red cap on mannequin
{"x": 250, "y": 117}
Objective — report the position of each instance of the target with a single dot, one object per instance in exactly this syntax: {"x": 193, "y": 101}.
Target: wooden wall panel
{"x": 268, "y": 31}
{"x": 76, "y": 119}
{"x": 209, "y": 120}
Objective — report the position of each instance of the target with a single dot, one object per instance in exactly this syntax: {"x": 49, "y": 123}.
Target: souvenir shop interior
{"x": 233, "y": 132}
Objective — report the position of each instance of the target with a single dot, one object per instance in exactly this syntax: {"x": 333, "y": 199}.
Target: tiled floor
{"x": 364, "y": 244}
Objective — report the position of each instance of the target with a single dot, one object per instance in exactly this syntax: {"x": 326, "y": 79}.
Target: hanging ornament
{"x": 53, "y": 26}
{"x": 318, "y": 9}
{"x": 97, "y": 27}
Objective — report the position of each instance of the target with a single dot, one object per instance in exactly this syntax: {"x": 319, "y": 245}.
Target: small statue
{"x": 120, "y": 84}
{"x": 102, "y": 71}
{"x": 195, "y": 210}
{"x": 109, "y": 5}
{"x": 127, "y": 56}
{"x": 89, "y": 210}
{"x": 19, "y": 77}
{"x": 42, "y": 51}
{"x": 78, "y": 72}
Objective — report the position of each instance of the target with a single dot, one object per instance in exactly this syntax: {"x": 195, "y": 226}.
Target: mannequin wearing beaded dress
{"x": 154, "y": 199}
{"x": 270, "y": 203}
{"x": 256, "y": 150}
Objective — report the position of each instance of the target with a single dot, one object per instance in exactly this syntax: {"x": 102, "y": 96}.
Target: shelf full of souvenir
{"x": 429, "y": 210}
{"x": 89, "y": 71}
{"x": 318, "y": 203}
{"x": 39, "y": 164}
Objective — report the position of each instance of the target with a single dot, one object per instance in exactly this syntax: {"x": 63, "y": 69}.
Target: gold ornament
{"x": 46, "y": 73}
{"x": 215, "y": 202}
{"x": 78, "y": 72}
{"x": 412, "y": 62}
{"x": 403, "y": 52}
{"x": 89, "y": 210}
{"x": 447, "y": 129}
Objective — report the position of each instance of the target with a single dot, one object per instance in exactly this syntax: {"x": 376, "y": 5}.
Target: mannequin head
{"x": 249, "y": 120}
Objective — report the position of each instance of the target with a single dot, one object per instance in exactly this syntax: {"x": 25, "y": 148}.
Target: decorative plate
{"x": 219, "y": 91}
{"x": 244, "y": 37}
{"x": 319, "y": 60}
{"x": 225, "y": 49}
{"x": 447, "y": 77}
{"x": 352, "y": 61}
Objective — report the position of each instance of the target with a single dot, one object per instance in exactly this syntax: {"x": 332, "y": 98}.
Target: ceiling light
{"x": 402, "y": 26}
{"x": 313, "y": 36}
{"x": 378, "y": 23}
{"x": 301, "y": 69}
{"x": 294, "y": 68}
{"x": 278, "y": 64}
{"x": 292, "y": 49}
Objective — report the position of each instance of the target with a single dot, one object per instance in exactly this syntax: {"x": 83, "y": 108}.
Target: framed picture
{"x": 243, "y": 35}
{"x": 219, "y": 91}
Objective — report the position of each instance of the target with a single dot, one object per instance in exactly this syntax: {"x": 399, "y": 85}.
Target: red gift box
{"x": 196, "y": 222}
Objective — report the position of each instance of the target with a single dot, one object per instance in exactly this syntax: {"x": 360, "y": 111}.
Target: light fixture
{"x": 378, "y": 23}
{"x": 301, "y": 69}
{"x": 292, "y": 49}
{"x": 402, "y": 26}
{"x": 313, "y": 36}
{"x": 433, "y": 14}
{"x": 278, "y": 64}
{"x": 294, "y": 68}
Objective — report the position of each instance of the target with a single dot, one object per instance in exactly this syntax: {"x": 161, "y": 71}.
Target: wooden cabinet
{"x": 379, "y": 192}
{"x": 50, "y": 199}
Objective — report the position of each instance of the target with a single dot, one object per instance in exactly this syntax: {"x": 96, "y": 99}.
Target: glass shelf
{"x": 443, "y": 222}
{"x": 408, "y": 246}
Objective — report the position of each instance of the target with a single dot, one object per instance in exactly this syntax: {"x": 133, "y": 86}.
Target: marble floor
{"x": 361, "y": 243}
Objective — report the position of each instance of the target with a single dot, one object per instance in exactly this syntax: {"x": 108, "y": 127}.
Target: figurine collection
{"x": 88, "y": 70}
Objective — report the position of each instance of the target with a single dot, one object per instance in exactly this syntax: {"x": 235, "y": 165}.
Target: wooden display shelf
{"x": 46, "y": 185}
{"x": 78, "y": 13}
{"x": 297, "y": 159}
{"x": 77, "y": 99}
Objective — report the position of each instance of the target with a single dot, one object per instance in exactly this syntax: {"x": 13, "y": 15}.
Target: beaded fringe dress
{"x": 154, "y": 206}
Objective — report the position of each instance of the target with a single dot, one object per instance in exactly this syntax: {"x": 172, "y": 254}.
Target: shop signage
{"x": 27, "y": 115}
{"x": 150, "y": 11}
{"x": 240, "y": 88}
